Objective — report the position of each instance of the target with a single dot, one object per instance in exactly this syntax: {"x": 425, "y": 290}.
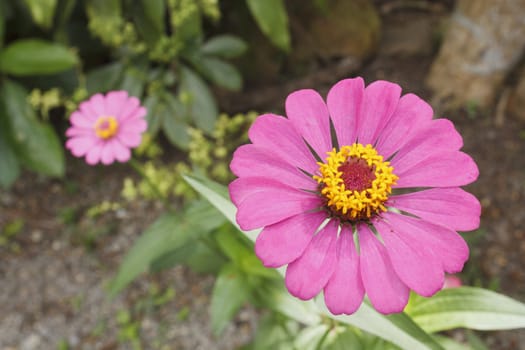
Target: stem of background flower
{"x": 138, "y": 168}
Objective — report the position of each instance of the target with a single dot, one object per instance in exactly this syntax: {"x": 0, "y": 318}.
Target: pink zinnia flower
{"x": 105, "y": 128}
{"x": 320, "y": 185}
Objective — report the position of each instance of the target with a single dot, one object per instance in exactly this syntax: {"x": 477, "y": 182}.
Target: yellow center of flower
{"x": 355, "y": 182}
{"x": 106, "y": 127}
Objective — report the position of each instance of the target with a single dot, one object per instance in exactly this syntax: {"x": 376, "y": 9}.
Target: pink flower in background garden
{"x": 329, "y": 205}
{"x": 105, "y": 128}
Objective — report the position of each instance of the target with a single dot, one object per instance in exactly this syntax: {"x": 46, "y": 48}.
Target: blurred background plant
{"x": 56, "y": 53}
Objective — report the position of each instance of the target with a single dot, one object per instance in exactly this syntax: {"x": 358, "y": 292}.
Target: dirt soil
{"x": 54, "y": 272}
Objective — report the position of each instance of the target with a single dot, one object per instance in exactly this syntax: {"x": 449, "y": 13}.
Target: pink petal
{"x": 344, "y": 103}
{"x": 413, "y": 263}
{"x": 344, "y": 292}
{"x": 447, "y": 169}
{"x": 76, "y": 131}
{"x": 437, "y": 137}
{"x": 411, "y": 113}
{"x": 285, "y": 241}
{"x": 379, "y": 103}
{"x": 115, "y": 101}
{"x": 121, "y": 152}
{"x": 444, "y": 244}
{"x": 309, "y": 115}
{"x": 273, "y": 204}
{"x": 94, "y": 153}
{"x": 129, "y": 139}
{"x": 137, "y": 125}
{"x": 244, "y": 186}
{"x": 251, "y": 160}
{"x": 107, "y": 156}
{"x": 138, "y": 113}
{"x": 79, "y": 146}
{"x": 278, "y": 135}
{"x": 87, "y": 109}
{"x": 306, "y": 276}
{"x": 130, "y": 109}
{"x": 387, "y": 293}
{"x": 450, "y": 207}
{"x": 80, "y": 120}
{"x": 97, "y": 104}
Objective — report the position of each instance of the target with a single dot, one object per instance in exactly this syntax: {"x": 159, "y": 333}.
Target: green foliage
{"x": 35, "y": 56}
{"x": 272, "y": 18}
{"x": 34, "y": 143}
{"x": 468, "y": 307}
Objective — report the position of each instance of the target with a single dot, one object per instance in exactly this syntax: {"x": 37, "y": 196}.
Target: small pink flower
{"x": 105, "y": 128}
{"x": 329, "y": 202}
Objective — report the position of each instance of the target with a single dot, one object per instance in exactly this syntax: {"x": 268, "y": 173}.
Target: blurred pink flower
{"x": 336, "y": 223}
{"x": 105, "y": 128}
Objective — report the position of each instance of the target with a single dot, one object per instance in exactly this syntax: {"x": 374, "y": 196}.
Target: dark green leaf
{"x": 9, "y": 168}
{"x": 133, "y": 81}
{"x": 155, "y": 11}
{"x": 173, "y": 123}
{"x": 201, "y": 105}
{"x": 37, "y": 145}
{"x": 225, "y": 46}
{"x": 35, "y": 56}
{"x": 221, "y": 73}
{"x": 2, "y": 22}
{"x": 169, "y": 232}
{"x": 229, "y": 294}
{"x": 154, "y": 117}
{"x": 274, "y": 333}
{"x": 104, "y": 78}
{"x": 271, "y": 17}
{"x": 42, "y": 11}
{"x": 468, "y": 307}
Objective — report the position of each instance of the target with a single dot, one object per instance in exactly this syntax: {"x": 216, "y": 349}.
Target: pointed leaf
{"x": 35, "y": 56}
{"x": 229, "y": 294}
{"x": 225, "y": 46}
{"x": 468, "y": 307}
{"x": 169, "y": 232}
{"x": 201, "y": 107}
{"x": 36, "y": 143}
{"x": 272, "y": 18}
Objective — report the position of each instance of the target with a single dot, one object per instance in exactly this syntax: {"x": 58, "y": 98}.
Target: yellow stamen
{"x": 351, "y": 204}
{"x": 106, "y": 127}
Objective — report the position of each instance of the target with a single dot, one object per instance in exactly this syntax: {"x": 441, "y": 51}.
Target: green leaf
{"x": 2, "y": 22}
{"x": 9, "y": 169}
{"x": 173, "y": 123}
{"x": 450, "y": 344}
{"x": 221, "y": 73}
{"x": 274, "y": 333}
{"x": 310, "y": 338}
{"x": 36, "y": 143}
{"x": 201, "y": 105}
{"x": 42, "y": 11}
{"x": 468, "y": 307}
{"x": 34, "y": 57}
{"x": 194, "y": 254}
{"x": 133, "y": 82}
{"x": 229, "y": 294}
{"x": 272, "y": 18}
{"x": 104, "y": 78}
{"x": 342, "y": 338}
{"x": 169, "y": 232}
{"x": 225, "y": 46}
{"x": 155, "y": 11}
